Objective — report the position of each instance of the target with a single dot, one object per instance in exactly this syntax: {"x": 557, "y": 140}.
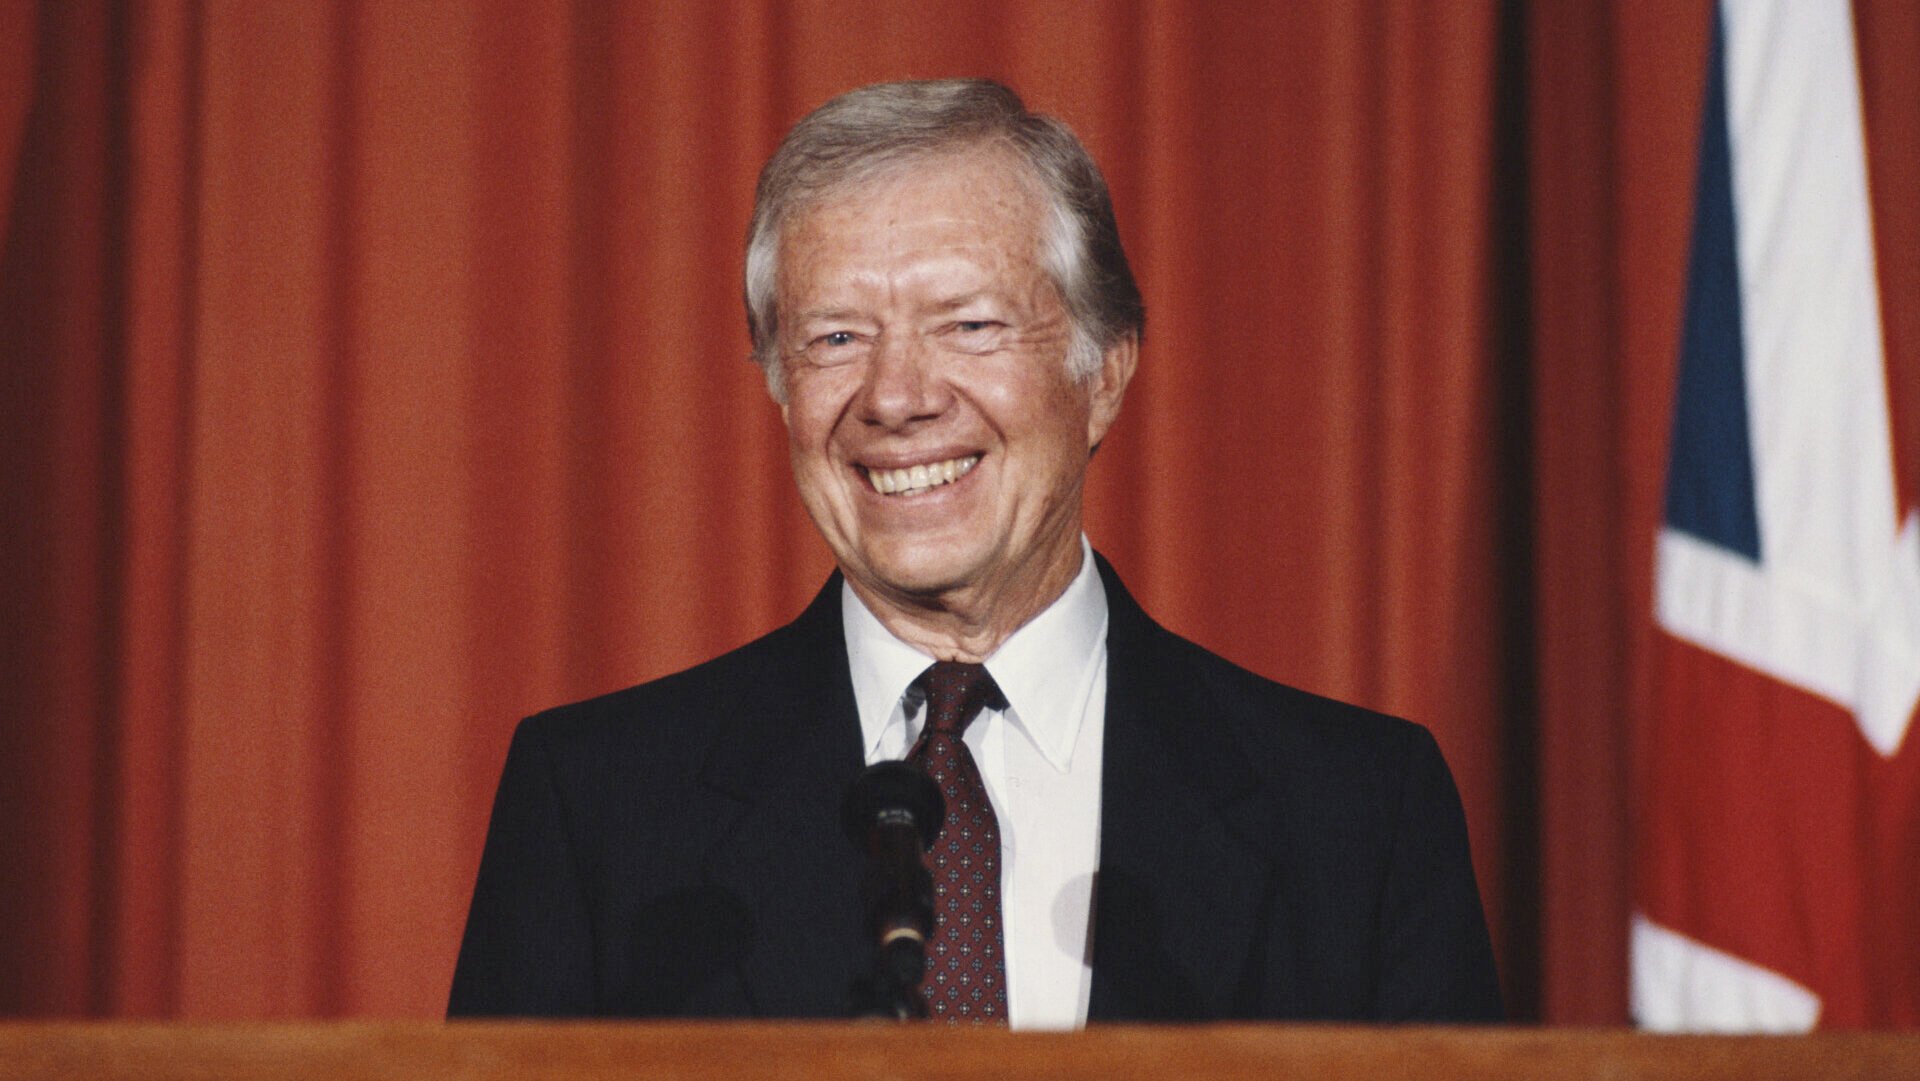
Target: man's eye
{"x": 974, "y": 326}
{"x": 836, "y": 338}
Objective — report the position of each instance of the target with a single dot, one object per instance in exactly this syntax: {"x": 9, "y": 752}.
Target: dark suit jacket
{"x": 675, "y": 848}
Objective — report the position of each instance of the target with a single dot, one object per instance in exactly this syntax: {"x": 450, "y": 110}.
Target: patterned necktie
{"x": 966, "y": 963}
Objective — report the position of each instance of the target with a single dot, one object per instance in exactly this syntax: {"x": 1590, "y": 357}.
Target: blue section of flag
{"x": 1710, "y": 471}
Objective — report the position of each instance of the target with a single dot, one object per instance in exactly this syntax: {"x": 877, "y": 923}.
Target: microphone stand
{"x": 893, "y": 812}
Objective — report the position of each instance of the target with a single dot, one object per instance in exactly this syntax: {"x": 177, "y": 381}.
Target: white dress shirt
{"x": 1040, "y": 759}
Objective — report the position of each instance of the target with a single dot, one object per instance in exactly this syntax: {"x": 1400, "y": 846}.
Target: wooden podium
{"x": 425, "y": 1051}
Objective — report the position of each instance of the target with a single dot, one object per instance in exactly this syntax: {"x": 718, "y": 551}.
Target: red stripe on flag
{"x": 1888, "y": 35}
{"x": 1784, "y": 839}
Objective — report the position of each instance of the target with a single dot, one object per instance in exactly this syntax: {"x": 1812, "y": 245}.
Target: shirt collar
{"x": 1045, "y": 669}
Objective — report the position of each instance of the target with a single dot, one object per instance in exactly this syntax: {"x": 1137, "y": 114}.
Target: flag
{"x": 1777, "y": 859}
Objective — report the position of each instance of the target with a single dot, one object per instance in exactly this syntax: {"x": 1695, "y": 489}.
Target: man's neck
{"x": 969, "y": 624}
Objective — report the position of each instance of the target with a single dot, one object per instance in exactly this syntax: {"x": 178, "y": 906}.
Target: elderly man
{"x": 1136, "y": 829}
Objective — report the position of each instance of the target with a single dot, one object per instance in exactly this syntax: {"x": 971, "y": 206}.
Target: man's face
{"x": 937, "y": 439}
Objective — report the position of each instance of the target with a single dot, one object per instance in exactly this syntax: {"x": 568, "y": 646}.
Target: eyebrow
{"x": 964, "y": 299}
{"x": 828, "y": 313}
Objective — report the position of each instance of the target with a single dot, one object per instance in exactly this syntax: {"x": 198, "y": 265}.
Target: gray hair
{"x": 866, "y": 132}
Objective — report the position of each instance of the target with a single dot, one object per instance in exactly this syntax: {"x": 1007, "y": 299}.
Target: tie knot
{"x": 955, "y": 694}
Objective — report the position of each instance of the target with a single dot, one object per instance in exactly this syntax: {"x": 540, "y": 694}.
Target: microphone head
{"x": 890, "y": 789}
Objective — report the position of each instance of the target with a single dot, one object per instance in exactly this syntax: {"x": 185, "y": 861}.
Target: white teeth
{"x": 919, "y": 478}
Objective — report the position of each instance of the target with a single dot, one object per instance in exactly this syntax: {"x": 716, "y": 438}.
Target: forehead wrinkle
{"x": 921, "y": 279}
{"x": 912, "y": 242}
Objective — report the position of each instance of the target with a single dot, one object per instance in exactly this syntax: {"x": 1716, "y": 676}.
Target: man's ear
{"x": 1110, "y": 386}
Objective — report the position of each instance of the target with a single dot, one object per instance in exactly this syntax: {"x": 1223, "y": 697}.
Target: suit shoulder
{"x": 672, "y": 711}
{"x": 1305, "y": 737}
{"x": 1245, "y": 693}
{"x": 1287, "y": 735}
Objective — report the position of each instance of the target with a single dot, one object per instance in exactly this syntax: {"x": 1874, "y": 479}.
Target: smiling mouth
{"x": 920, "y": 478}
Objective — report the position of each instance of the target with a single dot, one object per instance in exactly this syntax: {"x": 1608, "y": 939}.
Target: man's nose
{"x": 902, "y": 384}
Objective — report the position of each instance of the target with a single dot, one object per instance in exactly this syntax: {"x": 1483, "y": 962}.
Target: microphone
{"x": 892, "y": 812}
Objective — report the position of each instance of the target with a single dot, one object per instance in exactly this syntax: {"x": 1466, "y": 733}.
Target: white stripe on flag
{"x": 1798, "y": 630}
{"x": 1832, "y": 551}
{"x": 1683, "y": 985}
{"x": 1832, "y": 605}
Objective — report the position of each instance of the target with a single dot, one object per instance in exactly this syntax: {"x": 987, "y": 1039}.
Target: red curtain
{"x": 373, "y": 377}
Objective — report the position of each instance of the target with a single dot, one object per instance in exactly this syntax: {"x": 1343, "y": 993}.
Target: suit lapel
{"x": 1180, "y": 888}
{"x": 787, "y": 757}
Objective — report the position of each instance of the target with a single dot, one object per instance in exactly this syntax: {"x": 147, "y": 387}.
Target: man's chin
{"x": 922, "y": 581}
